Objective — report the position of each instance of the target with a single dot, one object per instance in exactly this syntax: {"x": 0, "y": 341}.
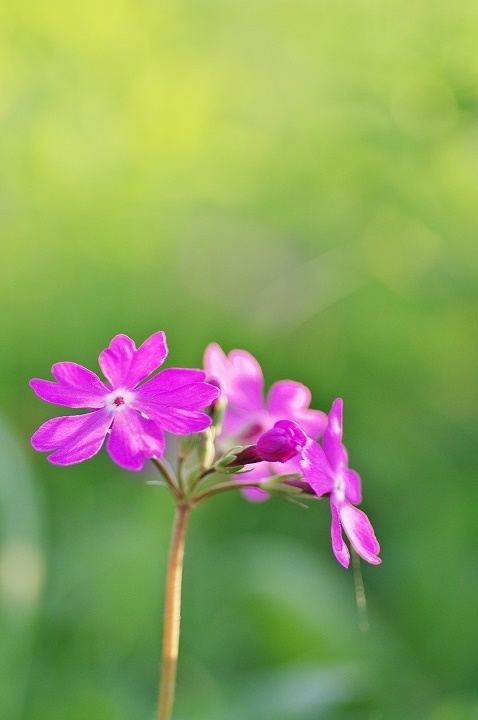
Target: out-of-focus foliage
{"x": 297, "y": 178}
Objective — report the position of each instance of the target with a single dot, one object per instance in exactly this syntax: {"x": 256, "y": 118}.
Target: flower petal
{"x": 173, "y": 378}
{"x": 353, "y": 487}
{"x": 77, "y": 387}
{"x": 176, "y": 407}
{"x": 291, "y": 466}
{"x": 255, "y": 494}
{"x": 216, "y": 363}
{"x": 340, "y": 549}
{"x": 180, "y": 421}
{"x": 240, "y": 376}
{"x": 74, "y": 438}
{"x": 261, "y": 471}
{"x": 291, "y": 400}
{"x": 332, "y": 440}
{"x": 123, "y": 364}
{"x": 316, "y": 468}
{"x": 248, "y": 382}
{"x": 148, "y": 357}
{"x": 116, "y": 360}
{"x": 133, "y": 439}
{"x": 360, "y": 533}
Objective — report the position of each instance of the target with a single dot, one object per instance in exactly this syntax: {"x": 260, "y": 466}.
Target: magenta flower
{"x": 248, "y": 414}
{"x": 326, "y": 470}
{"x": 133, "y": 416}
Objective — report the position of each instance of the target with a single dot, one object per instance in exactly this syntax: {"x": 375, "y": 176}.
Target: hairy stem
{"x": 172, "y": 613}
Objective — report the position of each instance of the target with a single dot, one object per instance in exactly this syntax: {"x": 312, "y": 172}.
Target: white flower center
{"x": 118, "y": 400}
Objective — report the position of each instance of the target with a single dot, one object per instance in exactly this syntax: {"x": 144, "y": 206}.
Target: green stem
{"x": 181, "y": 459}
{"x": 167, "y": 472}
{"x": 172, "y": 613}
{"x": 222, "y": 487}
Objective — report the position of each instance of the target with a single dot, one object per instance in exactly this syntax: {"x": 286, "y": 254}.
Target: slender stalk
{"x": 181, "y": 459}
{"x": 172, "y": 613}
{"x": 222, "y": 487}
{"x": 167, "y": 472}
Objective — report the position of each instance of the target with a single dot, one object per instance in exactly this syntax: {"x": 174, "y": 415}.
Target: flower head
{"x": 133, "y": 416}
{"x": 326, "y": 470}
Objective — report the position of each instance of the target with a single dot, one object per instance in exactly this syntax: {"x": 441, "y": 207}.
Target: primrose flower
{"x": 133, "y": 416}
{"x": 248, "y": 413}
{"x": 326, "y": 470}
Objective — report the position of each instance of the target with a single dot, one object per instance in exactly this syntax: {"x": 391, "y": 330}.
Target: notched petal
{"x": 116, "y": 360}
{"x": 77, "y": 387}
{"x": 239, "y": 375}
{"x": 176, "y": 409}
{"x": 73, "y": 438}
{"x": 147, "y": 358}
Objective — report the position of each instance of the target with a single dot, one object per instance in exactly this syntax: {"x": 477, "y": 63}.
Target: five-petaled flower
{"x": 248, "y": 413}
{"x": 133, "y": 416}
{"x": 326, "y": 471}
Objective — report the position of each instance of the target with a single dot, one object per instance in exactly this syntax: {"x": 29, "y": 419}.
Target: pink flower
{"x": 249, "y": 414}
{"x": 326, "y": 470}
{"x": 133, "y": 416}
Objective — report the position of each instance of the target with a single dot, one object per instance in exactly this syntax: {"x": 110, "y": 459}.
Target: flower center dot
{"x": 118, "y": 401}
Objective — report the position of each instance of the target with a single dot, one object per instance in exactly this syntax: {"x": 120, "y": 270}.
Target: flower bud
{"x": 245, "y": 456}
{"x": 206, "y": 449}
{"x": 277, "y": 445}
{"x": 228, "y": 462}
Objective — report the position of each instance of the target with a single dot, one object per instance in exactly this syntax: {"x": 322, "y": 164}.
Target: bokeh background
{"x": 294, "y": 177}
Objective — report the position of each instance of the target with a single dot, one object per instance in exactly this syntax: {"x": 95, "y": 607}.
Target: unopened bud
{"x": 229, "y": 458}
{"x": 246, "y": 456}
{"x": 218, "y": 412}
{"x": 277, "y": 445}
{"x": 206, "y": 449}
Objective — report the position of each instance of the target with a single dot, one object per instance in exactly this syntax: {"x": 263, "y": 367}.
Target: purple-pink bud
{"x": 278, "y": 444}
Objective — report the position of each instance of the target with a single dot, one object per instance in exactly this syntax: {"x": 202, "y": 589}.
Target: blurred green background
{"x": 294, "y": 177}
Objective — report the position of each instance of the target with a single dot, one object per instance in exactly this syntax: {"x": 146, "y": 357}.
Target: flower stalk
{"x": 172, "y": 613}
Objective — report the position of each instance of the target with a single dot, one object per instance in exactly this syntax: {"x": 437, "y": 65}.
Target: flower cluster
{"x": 249, "y": 413}
{"x": 271, "y": 441}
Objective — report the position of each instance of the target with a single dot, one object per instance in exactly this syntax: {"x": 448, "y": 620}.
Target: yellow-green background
{"x": 298, "y": 178}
